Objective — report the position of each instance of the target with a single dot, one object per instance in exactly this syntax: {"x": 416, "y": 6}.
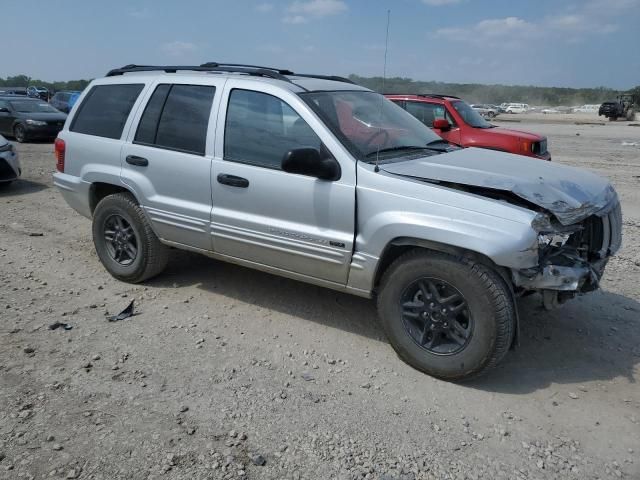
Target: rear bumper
{"x": 75, "y": 191}
{"x": 47, "y": 131}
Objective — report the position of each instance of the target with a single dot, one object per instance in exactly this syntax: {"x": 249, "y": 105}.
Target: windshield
{"x": 470, "y": 116}
{"x": 26, "y": 106}
{"x": 369, "y": 123}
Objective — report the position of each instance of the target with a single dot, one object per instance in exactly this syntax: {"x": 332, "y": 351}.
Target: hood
{"x": 513, "y": 133}
{"x": 44, "y": 116}
{"x": 570, "y": 194}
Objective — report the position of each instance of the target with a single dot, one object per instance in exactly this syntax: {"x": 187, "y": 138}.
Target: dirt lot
{"x": 231, "y": 373}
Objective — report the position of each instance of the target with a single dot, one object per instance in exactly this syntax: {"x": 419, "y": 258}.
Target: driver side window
{"x": 260, "y": 129}
{"x": 428, "y": 112}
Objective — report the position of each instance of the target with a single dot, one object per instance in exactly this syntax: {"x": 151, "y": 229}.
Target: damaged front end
{"x": 572, "y": 258}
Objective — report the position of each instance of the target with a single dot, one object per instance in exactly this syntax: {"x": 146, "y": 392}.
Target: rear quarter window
{"x": 105, "y": 110}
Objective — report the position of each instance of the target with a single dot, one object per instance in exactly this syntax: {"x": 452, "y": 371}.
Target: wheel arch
{"x": 398, "y": 246}
{"x": 100, "y": 190}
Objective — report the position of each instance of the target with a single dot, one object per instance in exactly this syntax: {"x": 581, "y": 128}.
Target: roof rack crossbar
{"x": 207, "y": 67}
{"x": 429, "y": 95}
{"x": 335, "y": 78}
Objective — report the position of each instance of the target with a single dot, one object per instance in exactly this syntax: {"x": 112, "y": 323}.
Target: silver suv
{"x": 318, "y": 179}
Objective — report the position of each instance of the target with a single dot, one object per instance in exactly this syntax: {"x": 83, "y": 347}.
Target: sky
{"x": 567, "y": 43}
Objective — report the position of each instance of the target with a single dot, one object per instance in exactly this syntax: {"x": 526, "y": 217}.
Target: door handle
{"x": 233, "y": 181}
{"x": 137, "y": 161}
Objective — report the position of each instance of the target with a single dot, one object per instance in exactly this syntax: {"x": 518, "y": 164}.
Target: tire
{"x": 613, "y": 119}
{"x": 20, "y": 133}
{"x": 151, "y": 256}
{"x": 489, "y": 308}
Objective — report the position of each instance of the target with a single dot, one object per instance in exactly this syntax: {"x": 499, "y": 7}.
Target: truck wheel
{"x": 446, "y": 316}
{"x": 125, "y": 243}
{"x": 613, "y": 119}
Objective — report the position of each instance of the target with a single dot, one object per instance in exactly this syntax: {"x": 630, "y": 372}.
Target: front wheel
{"x": 127, "y": 246}
{"x": 446, "y": 316}
{"x": 20, "y": 133}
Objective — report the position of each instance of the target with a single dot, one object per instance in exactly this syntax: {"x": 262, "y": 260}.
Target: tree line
{"x": 471, "y": 92}
{"x": 26, "y": 81}
{"x": 495, "y": 94}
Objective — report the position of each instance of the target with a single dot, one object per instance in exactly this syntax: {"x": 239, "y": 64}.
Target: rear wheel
{"x": 446, "y": 316}
{"x": 20, "y": 133}
{"x": 124, "y": 240}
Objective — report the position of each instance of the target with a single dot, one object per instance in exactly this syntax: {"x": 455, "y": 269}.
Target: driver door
{"x": 428, "y": 112}
{"x": 267, "y": 217}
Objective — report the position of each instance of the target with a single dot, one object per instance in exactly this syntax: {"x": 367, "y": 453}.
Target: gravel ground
{"x": 231, "y": 373}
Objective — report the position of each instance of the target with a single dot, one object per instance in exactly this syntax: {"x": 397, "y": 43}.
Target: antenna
{"x": 384, "y": 78}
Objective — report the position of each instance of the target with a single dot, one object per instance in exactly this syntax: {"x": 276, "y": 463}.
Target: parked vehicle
{"x": 28, "y": 118}
{"x": 38, "y": 92}
{"x": 13, "y": 91}
{"x": 64, "y": 101}
{"x": 9, "y": 162}
{"x": 486, "y": 111}
{"x": 516, "y": 108}
{"x": 321, "y": 180}
{"x": 547, "y": 111}
{"x": 625, "y": 107}
{"x": 458, "y": 123}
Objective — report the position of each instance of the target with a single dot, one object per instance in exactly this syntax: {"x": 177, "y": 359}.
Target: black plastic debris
{"x": 56, "y": 325}
{"x": 124, "y": 314}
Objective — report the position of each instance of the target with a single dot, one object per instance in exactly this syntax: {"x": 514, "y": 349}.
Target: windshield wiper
{"x": 397, "y": 149}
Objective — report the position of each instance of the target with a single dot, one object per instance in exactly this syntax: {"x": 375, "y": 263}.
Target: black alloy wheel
{"x": 436, "y": 316}
{"x": 121, "y": 241}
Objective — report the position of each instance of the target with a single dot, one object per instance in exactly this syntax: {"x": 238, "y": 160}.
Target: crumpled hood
{"x": 571, "y": 194}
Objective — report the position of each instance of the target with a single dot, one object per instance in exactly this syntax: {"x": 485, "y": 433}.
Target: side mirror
{"x": 442, "y": 124}
{"x": 307, "y": 161}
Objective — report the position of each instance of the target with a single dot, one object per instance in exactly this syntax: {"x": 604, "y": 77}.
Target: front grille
{"x": 602, "y": 234}
{"x": 6, "y": 172}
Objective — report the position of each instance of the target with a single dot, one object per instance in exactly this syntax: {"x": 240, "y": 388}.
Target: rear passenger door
{"x": 263, "y": 215}
{"x": 167, "y": 164}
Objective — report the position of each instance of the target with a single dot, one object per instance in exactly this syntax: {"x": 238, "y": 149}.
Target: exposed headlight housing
{"x": 36, "y": 123}
{"x": 553, "y": 239}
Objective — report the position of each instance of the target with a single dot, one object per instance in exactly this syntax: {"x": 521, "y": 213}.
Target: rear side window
{"x": 177, "y": 117}
{"x": 105, "y": 110}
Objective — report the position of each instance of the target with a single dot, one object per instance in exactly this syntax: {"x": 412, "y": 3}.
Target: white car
{"x": 9, "y": 163}
{"x": 550, "y": 110}
{"x": 516, "y": 108}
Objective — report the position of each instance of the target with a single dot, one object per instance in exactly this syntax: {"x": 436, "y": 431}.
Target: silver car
{"x": 9, "y": 162}
{"x": 321, "y": 180}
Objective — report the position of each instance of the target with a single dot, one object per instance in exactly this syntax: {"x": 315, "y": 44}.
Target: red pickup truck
{"x": 455, "y": 121}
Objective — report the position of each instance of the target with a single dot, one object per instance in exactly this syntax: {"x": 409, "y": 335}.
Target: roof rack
{"x": 206, "y": 67}
{"x": 428, "y": 95}
{"x": 270, "y": 72}
{"x": 335, "y": 78}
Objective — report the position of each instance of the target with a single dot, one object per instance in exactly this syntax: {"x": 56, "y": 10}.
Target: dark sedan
{"x": 29, "y": 118}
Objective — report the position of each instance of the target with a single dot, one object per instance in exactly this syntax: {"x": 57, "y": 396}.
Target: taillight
{"x": 59, "y": 148}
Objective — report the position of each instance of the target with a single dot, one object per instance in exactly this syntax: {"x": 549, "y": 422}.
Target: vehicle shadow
{"x": 21, "y": 187}
{"x": 595, "y": 337}
{"x": 321, "y": 305}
